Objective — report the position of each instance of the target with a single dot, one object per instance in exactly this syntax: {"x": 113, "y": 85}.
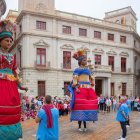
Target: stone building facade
{"x": 2, "y": 8}
{"x": 12, "y": 15}
{"x": 47, "y": 39}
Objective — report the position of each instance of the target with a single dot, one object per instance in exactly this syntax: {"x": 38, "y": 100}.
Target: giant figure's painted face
{"x": 6, "y": 43}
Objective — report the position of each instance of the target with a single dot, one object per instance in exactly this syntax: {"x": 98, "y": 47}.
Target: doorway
{"x": 41, "y": 88}
{"x": 66, "y": 91}
{"x": 123, "y": 88}
{"x": 98, "y": 86}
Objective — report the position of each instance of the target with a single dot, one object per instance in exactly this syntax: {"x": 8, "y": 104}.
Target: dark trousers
{"x": 108, "y": 108}
{"x": 101, "y": 106}
{"x": 104, "y": 107}
{"x": 80, "y": 122}
{"x": 124, "y": 129}
{"x": 128, "y": 122}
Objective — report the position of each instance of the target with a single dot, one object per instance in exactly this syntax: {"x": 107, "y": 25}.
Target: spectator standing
{"x": 104, "y": 106}
{"x": 122, "y": 116}
{"x": 138, "y": 106}
{"x": 61, "y": 108}
{"x": 108, "y": 104}
{"x": 101, "y": 103}
{"x": 66, "y": 108}
{"x": 39, "y": 103}
{"x": 47, "y": 118}
{"x": 27, "y": 103}
{"x": 136, "y": 103}
{"x": 114, "y": 104}
{"x": 33, "y": 103}
{"x": 132, "y": 103}
{"x": 128, "y": 102}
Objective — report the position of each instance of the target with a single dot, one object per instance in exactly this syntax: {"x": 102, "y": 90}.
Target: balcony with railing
{"x": 44, "y": 66}
{"x": 102, "y": 68}
{"x": 67, "y": 67}
{"x": 118, "y": 70}
{"x": 99, "y": 68}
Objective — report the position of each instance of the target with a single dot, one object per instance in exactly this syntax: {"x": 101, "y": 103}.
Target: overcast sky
{"x": 92, "y": 8}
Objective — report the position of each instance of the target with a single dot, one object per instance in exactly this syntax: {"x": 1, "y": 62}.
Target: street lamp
{"x": 90, "y": 66}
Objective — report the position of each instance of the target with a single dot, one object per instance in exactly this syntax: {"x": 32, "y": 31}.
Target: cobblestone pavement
{"x": 105, "y": 129}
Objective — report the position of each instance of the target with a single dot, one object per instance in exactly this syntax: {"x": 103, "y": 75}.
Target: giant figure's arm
{"x": 16, "y": 74}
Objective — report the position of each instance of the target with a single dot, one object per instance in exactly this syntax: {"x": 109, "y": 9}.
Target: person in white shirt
{"x": 114, "y": 104}
{"x": 108, "y": 104}
{"x": 65, "y": 108}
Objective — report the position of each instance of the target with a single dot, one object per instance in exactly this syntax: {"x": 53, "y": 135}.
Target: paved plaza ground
{"x": 105, "y": 129}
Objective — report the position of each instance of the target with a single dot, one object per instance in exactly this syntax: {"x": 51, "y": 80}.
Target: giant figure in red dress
{"x": 10, "y": 128}
{"x": 84, "y": 103}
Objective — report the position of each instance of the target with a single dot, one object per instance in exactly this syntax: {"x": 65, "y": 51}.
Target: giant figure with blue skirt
{"x": 84, "y": 102}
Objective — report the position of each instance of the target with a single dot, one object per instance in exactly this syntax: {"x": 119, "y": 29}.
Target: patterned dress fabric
{"x": 10, "y": 128}
{"x": 84, "y": 105}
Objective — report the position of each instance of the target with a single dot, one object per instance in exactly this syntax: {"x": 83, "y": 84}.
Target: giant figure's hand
{"x": 77, "y": 90}
{"x": 24, "y": 88}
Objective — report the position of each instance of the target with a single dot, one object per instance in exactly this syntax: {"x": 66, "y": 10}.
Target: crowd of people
{"x": 123, "y": 105}
{"x": 30, "y": 106}
{"x": 106, "y": 104}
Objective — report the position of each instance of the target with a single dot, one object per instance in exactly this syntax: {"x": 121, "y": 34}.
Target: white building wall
{"x": 56, "y": 42}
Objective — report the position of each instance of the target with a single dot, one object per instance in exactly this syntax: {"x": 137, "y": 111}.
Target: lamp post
{"x": 90, "y": 66}
{"x": 93, "y": 75}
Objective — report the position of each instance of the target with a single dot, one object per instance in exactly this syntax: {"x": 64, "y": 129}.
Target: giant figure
{"x": 84, "y": 103}
{"x": 10, "y": 127}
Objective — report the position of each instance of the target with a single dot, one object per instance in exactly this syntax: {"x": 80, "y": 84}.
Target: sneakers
{"x": 85, "y": 129}
{"x": 127, "y": 126}
{"x": 122, "y": 138}
{"x": 81, "y": 130}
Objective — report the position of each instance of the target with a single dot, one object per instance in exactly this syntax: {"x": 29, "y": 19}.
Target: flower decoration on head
{"x": 7, "y": 25}
{"x": 80, "y": 55}
{"x": 7, "y": 29}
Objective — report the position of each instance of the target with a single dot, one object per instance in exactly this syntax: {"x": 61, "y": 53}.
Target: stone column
{"x": 106, "y": 87}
